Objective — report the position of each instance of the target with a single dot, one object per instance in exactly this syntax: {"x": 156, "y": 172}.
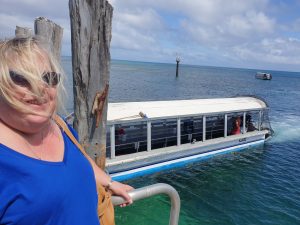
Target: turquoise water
{"x": 256, "y": 186}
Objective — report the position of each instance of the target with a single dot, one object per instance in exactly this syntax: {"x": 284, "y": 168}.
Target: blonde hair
{"x": 22, "y": 55}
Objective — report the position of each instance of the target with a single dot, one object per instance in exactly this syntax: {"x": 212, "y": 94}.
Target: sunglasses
{"x": 50, "y": 78}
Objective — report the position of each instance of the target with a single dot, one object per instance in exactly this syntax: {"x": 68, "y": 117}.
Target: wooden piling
{"x": 91, "y": 23}
{"x": 23, "y": 32}
{"x": 51, "y": 34}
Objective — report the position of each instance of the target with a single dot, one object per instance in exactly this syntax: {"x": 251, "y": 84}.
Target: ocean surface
{"x": 258, "y": 186}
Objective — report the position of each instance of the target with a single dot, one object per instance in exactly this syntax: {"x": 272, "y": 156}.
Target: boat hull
{"x": 263, "y": 76}
{"x": 143, "y": 163}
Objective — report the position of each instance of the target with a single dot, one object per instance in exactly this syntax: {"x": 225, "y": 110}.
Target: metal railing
{"x": 155, "y": 189}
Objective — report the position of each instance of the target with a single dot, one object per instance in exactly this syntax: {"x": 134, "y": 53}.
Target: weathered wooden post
{"x": 91, "y": 22}
{"x": 51, "y": 33}
{"x": 23, "y": 32}
{"x": 177, "y": 65}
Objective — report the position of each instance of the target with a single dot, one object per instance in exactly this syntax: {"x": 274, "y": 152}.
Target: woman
{"x": 236, "y": 126}
{"x": 44, "y": 178}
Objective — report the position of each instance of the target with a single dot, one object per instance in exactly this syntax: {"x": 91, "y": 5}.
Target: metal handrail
{"x": 155, "y": 189}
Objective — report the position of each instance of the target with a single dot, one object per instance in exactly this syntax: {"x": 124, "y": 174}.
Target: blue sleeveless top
{"x": 35, "y": 192}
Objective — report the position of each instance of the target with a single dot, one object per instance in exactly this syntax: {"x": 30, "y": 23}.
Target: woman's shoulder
{"x": 7, "y": 139}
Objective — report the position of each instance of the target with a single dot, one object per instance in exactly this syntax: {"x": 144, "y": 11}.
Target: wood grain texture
{"x": 91, "y": 23}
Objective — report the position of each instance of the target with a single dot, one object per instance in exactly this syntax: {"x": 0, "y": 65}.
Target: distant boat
{"x": 263, "y": 76}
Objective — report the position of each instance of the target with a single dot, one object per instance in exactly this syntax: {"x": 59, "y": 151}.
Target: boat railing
{"x": 163, "y": 141}
{"x": 191, "y": 137}
{"x": 163, "y": 138}
{"x": 156, "y": 189}
{"x": 125, "y": 138}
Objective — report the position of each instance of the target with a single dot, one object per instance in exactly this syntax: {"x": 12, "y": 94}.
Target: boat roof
{"x": 131, "y": 111}
{"x": 262, "y": 73}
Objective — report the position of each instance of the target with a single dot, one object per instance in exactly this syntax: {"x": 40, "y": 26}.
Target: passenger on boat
{"x": 44, "y": 178}
{"x": 236, "y": 126}
{"x": 120, "y": 135}
{"x": 249, "y": 125}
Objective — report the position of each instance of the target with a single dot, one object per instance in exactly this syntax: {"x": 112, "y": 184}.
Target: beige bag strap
{"x": 62, "y": 124}
{"x": 105, "y": 195}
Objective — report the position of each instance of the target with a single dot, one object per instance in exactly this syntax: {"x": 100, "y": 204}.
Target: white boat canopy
{"x": 126, "y": 111}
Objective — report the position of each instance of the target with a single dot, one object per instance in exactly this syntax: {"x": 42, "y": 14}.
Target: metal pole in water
{"x": 177, "y": 65}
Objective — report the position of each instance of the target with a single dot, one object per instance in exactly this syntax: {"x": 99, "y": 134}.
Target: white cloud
{"x": 54, "y": 9}
{"x": 135, "y": 30}
{"x": 23, "y": 13}
{"x": 133, "y": 40}
{"x": 232, "y": 31}
{"x": 202, "y": 31}
{"x": 272, "y": 51}
{"x": 8, "y": 24}
{"x": 138, "y": 29}
{"x": 203, "y": 20}
{"x": 251, "y": 24}
{"x": 144, "y": 19}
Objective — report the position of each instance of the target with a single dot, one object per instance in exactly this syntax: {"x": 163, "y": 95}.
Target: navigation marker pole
{"x": 177, "y": 64}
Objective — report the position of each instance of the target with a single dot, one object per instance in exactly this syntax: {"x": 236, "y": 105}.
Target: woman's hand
{"x": 121, "y": 190}
{"x": 115, "y": 187}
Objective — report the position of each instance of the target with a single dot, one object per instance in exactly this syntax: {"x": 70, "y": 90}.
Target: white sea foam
{"x": 287, "y": 128}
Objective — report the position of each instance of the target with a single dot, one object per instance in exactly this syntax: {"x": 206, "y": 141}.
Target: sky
{"x": 258, "y": 34}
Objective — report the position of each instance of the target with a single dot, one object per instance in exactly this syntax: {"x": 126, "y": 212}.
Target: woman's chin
{"x": 35, "y": 122}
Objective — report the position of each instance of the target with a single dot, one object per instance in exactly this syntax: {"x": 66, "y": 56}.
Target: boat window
{"x": 214, "y": 126}
{"x": 234, "y": 123}
{"x": 191, "y": 129}
{"x": 252, "y": 121}
{"x": 130, "y": 138}
{"x": 163, "y": 133}
{"x": 108, "y": 152}
{"x": 265, "y": 121}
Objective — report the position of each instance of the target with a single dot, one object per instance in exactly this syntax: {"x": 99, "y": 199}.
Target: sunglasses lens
{"x": 19, "y": 79}
{"x": 51, "y": 78}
